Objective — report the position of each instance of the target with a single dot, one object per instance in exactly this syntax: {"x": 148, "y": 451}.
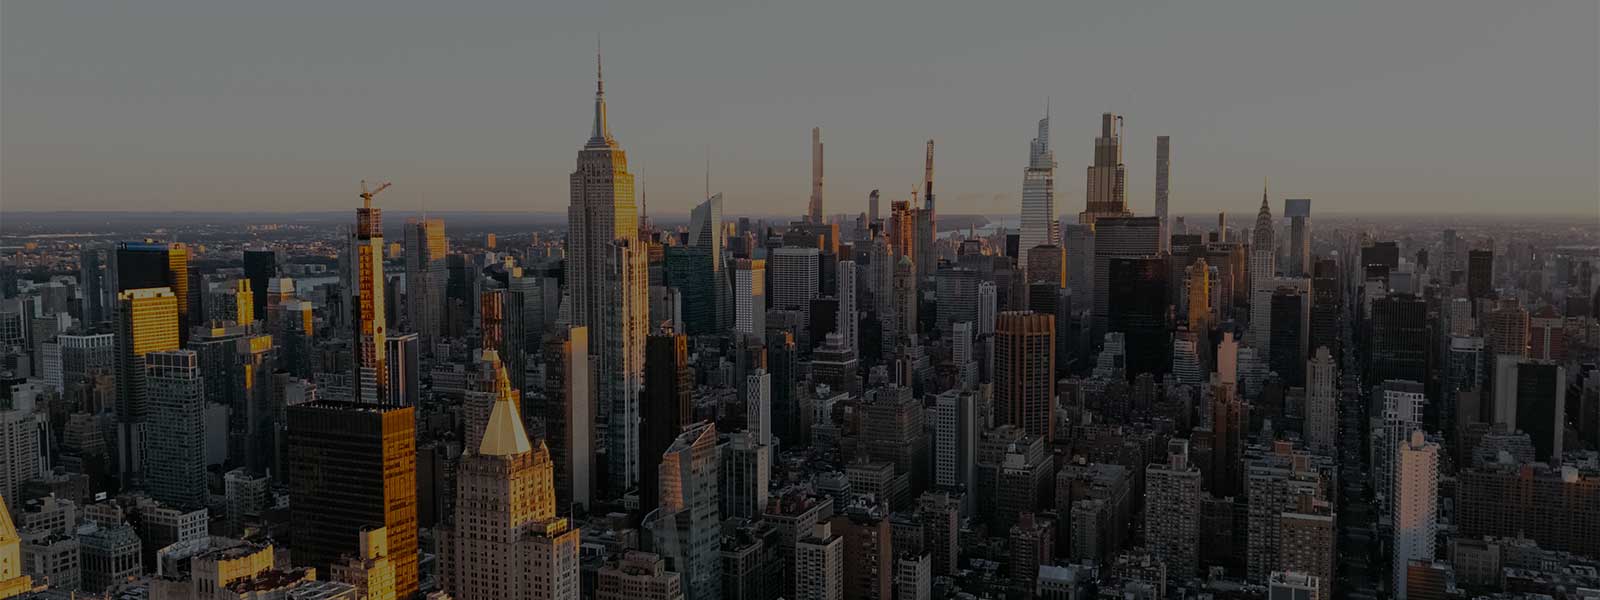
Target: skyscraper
{"x": 1107, "y": 194}
{"x": 147, "y": 321}
{"x": 927, "y": 257}
{"x": 795, "y": 280}
{"x": 1322, "y": 397}
{"x": 686, "y": 525}
{"x": 707, "y": 305}
{"x": 1163, "y": 164}
{"x": 849, "y": 320}
{"x": 1298, "y": 211}
{"x": 353, "y": 465}
{"x": 1137, "y": 300}
{"x": 175, "y": 436}
{"x": 371, "y": 377}
{"x": 1416, "y": 504}
{"x": 507, "y": 541}
{"x": 819, "y": 564}
{"x": 814, "y": 214}
{"x": 1117, "y": 236}
{"x": 260, "y": 266}
{"x": 667, "y": 407}
{"x": 1480, "y": 273}
{"x": 1263, "y": 267}
{"x": 1172, "y": 511}
{"x": 569, "y": 416}
{"x": 619, "y": 363}
{"x": 1024, "y": 372}
{"x": 1039, "y": 194}
{"x": 750, "y": 296}
{"x": 426, "y": 248}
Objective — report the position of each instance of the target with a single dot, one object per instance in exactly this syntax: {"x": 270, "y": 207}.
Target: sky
{"x": 1464, "y": 106}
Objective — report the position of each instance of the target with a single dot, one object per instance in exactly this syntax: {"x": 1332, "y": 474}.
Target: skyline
{"x": 1408, "y": 119}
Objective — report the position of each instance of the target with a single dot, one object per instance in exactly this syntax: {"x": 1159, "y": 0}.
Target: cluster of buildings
{"x": 863, "y": 407}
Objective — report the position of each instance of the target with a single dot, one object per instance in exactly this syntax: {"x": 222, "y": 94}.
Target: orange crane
{"x": 366, "y": 196}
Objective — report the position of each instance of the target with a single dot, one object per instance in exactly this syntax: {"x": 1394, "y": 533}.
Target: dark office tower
{"x": 144, "y": 265}
{"x": 352, "y": 466}
{"x": 458, "y": 300}
{"x": 689, "y": 269}
{"x": 783, "y": 365}
{"x": 1298, "y": 211}
{"x": 1047, "y": 263}
{"x": 92, "y": 278}
{"x": 956, "y": 294}
{"x": 1024, "y": 366}
{"x": 1541, "y": 407}
{"x": 1138, "y": 309}
{"x": 404, "y": 369}
{"x": 1327, "y": 306}
{"x": 1287, "y": 345}
{"x": 1230, "y": 424}
{"x": 1118, "y": 237}
{"x": 1013, "y": 241}
{"x": 667, "y": 407}
{"x": 260, "y": 266}
{"x": 1398, "y": 338}
{"x": 1480, "y": 273}
{"x": 175, "y": 437}
{"x": 569, "y": 417}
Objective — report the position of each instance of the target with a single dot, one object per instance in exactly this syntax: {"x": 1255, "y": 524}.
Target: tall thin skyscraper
{"x": 507, "y": 542}
{"x": 1298, "y": 211}
{"x": 1024, "y": 372}
{"x": 569, "y": 416}
{"x": 1039, "y": 194}
{"x": 1416, "y": 504}
{"x": 175, "y": 438}
{"x": 602, "y": 210}
{"x": 927, "y": 258}
{"x": 667, "y": 407}
{"x": 814, "y": 211}
{"x": 1163, "y": 165}
{"x": 260, "y": 266}
{"x": 1322, "y": 397}
{"x": 623, "y": 328}
{"x": 1172, "y": 511}
{"x": 1263, "y": 267}
{"x": 706, "y": 234}
{"x": 750, "y": 296}
{"x": 426, "y": 274}
{"x": 1107, "y": 194}
{"x": 371, "y": 377}
{"x": 849, "y": 324}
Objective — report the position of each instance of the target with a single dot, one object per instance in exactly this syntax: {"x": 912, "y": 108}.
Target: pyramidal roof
{"x": 504, "y": 435}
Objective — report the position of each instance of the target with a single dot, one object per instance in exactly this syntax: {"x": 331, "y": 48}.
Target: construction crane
{"x": 366, "y": 196}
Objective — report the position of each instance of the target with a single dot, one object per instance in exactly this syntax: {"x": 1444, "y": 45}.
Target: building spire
{"x": 600, "y": 135}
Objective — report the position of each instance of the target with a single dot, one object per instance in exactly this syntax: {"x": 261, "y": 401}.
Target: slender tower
{"x": 927, "y": 258}
{"x": 1039, "y": 226}
{"x": 1163, "y": 164}
{"x": 814, "y": 214}
{"x": 366, "y": 250}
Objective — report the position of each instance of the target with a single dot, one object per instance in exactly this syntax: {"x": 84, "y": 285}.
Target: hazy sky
{"x": 1451, "y": 105}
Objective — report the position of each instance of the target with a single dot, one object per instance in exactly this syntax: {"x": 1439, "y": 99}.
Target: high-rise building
{"x": 353, "y": 465}
{"x": 1506, "y": 328}
{"x": 1024, "y": 367}
{"x": 1230, "y": 422}
{"x": 147, "y": 321}
{"x": 370, "y": 570}
{"x": 750, "y": 296}
{"x": 1399, "y": 339}
{"x": 927, "y": 256}
{"x": 1172, "y": 511}
{"x": 1307, "y": 540}
{"x": 686, "y": 525}
{"x": 1298, "y": 211}
{"x": 1263, "y": 268}
{"x": 1039, "y": 194}
{"x": 405, "y": 387}
{"x": 746, "y": 475}
{"x": 706, "y": 305}
{"x": 1286, "y": 334}
{"x": 1107, "y": 194}
{"x": 1402, "y": 408}
{"x": 1552, "y": 506}
{"x": 1547, "y": 335}
{"x": 1416, "y": 505}
{"x": 814, "y": 211}
{"x": 1322, "y": 398}
{"x": 368, "y": 315}
{"x": 1327, "y": 307}
{"x": 92, "y": 281}
{"x": 666, "y": 407}
{"x": 868, "y": 552}
{"x": 795, "y": 281}
{"x": 175, "y": 436}
{"x": 1277, "y": 481}
{"x": 1118, "y": 237}
{"x": 260, "y": 266}
{"x": 1480, "y": 273}
{"x": 849, "y": 319}
{"x": 819, "y": 564}
{"x": 425, "y": 249}
{"x": 955, "y": 423}
{"x": 956, "y": 297}
{"x": 1137, "y": 307}
{"x": 507, "y": 541}
{"x": 1541, "y": 402}
{"x": 1163, "y": 166}
{"x": 569, "y": 417}
{"x": 619, "y": 365}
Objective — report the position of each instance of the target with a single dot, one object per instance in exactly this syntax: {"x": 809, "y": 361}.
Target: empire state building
{"x": 608, "y": 275}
